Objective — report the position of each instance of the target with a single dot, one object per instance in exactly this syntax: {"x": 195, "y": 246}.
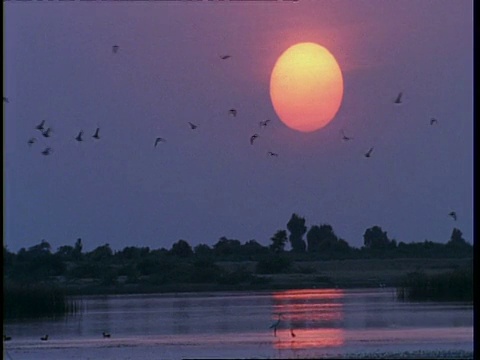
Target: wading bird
{"x": 115, "y": 49}
{"x": 225, "y": 57}
{"x": 44, "y": 338}
{"x": 232, "y": 112}
{"x": 192, "y": 126}
{"x": 398, "y": 100}
{"x": 453, "y": 214}
{"x": 252, "y": 138}
{"x": 46, "y": 133}
{"x": 31, "y": 141}
{"x": 79, "y": 136}
{"x": 292, "y": 333}
{"x": 369, "y": 152}
{"x": 159, "y": 140}
{"x": 275, "y": 325}
{"x": 40, "y": 126}
{"x": 264, "y": 123}
{"x": 272, "y": 154}
{"x": 96, "y": 136}
{"x": 433, "y": 121}
{"x": 345, "y": 137}
{"x": 47, "y": 151}
{"x": 106, "y": 334}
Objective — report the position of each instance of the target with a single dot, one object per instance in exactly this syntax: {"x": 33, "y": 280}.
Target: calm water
{"x": 217, "y": 325}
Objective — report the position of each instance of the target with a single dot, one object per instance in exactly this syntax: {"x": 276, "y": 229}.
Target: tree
{"x": 181, "y": 249}
{"x": 297, "y": 228}
{"x": 278, "y": 241}
{"x": 225, "y": 247}
{"x": 203, "y": 250}
{"x": 376, "y": 238}
{"x": 321, "y": 238}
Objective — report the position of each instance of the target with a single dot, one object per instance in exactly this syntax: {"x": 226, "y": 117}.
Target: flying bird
{"x": 31, "y": 141}
{"x": 46, "y": 133}
{"x": 433, "y": 121}
{"x": 40, "y": 126}
{"x": 264, "y": 123}
{"x": 96, "y": 136}
{"x": 272, "y": 154}
{"x": 106, "y": 334}
{"x": 253, "y": 137}
{"x": 225, "y": 57}
{"x": 44, "y": 338}
{"x": 398, "y": 100}
{"x": 79, "y": 136}
{"x": 158, "y": 140}
{"x": 369, "y": 152}
{"x": 192, "y": 126}
{"x": 47, "y": 151}
{"x": 232, "y": 112}
{"x": 5, "y": 99}
{"x": 453, "y": 214}
{"x": 345, "y": 137}
{"x": 275, "y": 325}
{"x": 115, "y": 49}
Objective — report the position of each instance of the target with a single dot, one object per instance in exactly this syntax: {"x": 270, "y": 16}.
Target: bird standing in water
{"x": 275, "y": 325}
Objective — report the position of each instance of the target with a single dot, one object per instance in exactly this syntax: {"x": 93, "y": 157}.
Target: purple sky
{"x": 204, "y": 184}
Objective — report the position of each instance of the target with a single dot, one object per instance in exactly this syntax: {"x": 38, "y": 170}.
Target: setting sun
{"x": 306, "y": 87}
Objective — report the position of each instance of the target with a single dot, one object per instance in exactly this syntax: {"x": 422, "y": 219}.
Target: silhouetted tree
{"x": 225, "y": 247}
{"x": 376, "y": 238}
{"x": 321, "y": 238}
{"x": 101, "y": 253}
{"x": 297, "y": 228}
{"x": 252, "y": 248}
{"x": 181, "y": 249}
{"x": 278, "y": 241}
{"x": 203, "y": 250}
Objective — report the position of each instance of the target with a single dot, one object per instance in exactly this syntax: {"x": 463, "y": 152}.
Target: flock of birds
{"x": 45, "y": 337}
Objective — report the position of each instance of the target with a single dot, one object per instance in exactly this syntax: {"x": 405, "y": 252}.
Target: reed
{"x": 36, "y": 300}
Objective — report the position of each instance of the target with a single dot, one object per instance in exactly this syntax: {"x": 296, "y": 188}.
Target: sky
{"x": 202, "y": 184}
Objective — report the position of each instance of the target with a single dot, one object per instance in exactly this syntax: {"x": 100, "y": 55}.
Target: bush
{"x": 274, "y": 265}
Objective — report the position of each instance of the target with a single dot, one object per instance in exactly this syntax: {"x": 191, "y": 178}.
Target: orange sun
{"x": 306, "y": 87}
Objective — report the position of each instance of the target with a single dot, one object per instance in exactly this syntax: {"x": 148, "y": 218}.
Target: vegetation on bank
{"x": 135, "y": 269}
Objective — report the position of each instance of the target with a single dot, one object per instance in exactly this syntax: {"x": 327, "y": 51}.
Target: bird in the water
{"x": 292, "y": 333}
{"x": 433, "y": 121}
{"x": 47, "y": 151}
{"x": 46, "y": 133}
{"x": 106, "y": 334}
{"x": 272, "y": 154}
{"x": 44, "y": 338}
{"x": 275, "y": 325}
{"x": 31, "y": 141}
{"x": 225, "y": 57}
{"x": 398, "y": 100}
{"x": 5, "y": 99}
{"x": 40, "y": 126}
{"x": 96, "y": 135}
{"x": 232, "y": 112}
{"x": 264, "y": 123}
{"x": 192, "y": 126}
{"x": 115, "y": 49}
{"x": 7, "y": 338}
{"x": 369, "y": 152}
{"x": 453, "y": 214}
{"x": 159, "y": 140}
{"x": 345, "y": 137}
{"x": 79, "y": 136}
{"x": 252, "y": 138}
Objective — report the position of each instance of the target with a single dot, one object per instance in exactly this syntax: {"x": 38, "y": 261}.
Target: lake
{"x": 313, "y": 323}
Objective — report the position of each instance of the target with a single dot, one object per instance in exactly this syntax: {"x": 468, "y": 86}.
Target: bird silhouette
{"x": 275, "y": 325}
{"x": 96, "y": 136}
{"x": 158, "y": 140}
{"x": 398, "y": 100}
{"x": 115, "y": 49}
{"x": 79, "y": 136}
{"x": 7, "y": 338}
{"x": 232, "y": 112}
{"x": 40, "y": 126}
{"x": 369, "y": 152}
{"x": 192, "y": 126}
{"x": 292, "y": 333}
{"x": 46, "y": 133}
{"x": 5, "y": 99}
{"x": 253, "y": 137}
{"x": 264, "y": 123}
{"x": 433, "y": 121}
{"x": 453, "y": 214}
{"x": 47, "y": 151}
{"x": 106, "y": 334}
{"x": 272, "y": 154}
{"x": 44, "y": 338}
{"x": 225, "y": 57}
{"x": 345, "y": 137}
{"x": 31, "y": 141}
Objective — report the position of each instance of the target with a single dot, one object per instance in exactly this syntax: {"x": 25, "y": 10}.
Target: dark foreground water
{"x": 313, "y": 324}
